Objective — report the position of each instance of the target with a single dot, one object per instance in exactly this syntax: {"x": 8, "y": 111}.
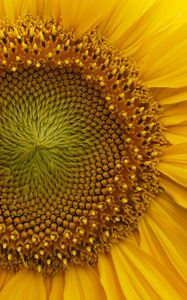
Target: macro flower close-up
{"x": 93, "y": 149}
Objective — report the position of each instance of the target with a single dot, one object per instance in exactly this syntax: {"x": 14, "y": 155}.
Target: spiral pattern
{"x": 79, "y": 146}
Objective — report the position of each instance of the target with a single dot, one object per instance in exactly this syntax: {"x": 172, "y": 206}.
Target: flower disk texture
{"x": 80, "y": 140}
{"x": 93, "y": 147}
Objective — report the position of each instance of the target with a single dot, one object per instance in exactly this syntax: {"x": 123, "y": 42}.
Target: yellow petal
{"x": 79, "y": 15}
{"x": 51, "y": 9}
{"x": 167, "y": 96}
{"x": 40, "y": 7}
{"x": 143, "y": 277}
{"x": 175, "y": 191}
{"x": 12, "y": 9}
{"x": 29, "y": 7}
{"x": 82, "y": 283}
{"x": 48, "y": 283}
{"x": 173, "y": 164}
{"x": 5, "y": 276}
{"x": 176, "y": 172}
{"x": 175, "y": 154}
{"x": 133, "y": 22}
{"x": 176, "y": 134}
{"x": 145, "y": 44}
{"x": 56, "y": 288}
{"x": 175, "y": 114}
{"x": 2, "y": 10}
{"x": 24, "y": 285}
{"x": 124, "y": 16}
{"x": 168, "y": 61}
{"x": 162, "y": 234}
{"x": 157, "y": 28}
{"x": 109, "y": 278}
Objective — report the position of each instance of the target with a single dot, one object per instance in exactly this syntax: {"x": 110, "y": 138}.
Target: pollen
{"x": 80, "y": 140}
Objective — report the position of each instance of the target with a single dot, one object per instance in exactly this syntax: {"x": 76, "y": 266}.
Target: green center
{"x": 46, "y": 136}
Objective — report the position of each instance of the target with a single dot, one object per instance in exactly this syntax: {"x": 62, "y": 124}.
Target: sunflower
{"x": 93, "y": 149}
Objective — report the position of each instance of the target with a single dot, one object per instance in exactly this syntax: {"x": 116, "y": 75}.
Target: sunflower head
{"x": 80, "y": 143}
{"x": 93, "y": 119}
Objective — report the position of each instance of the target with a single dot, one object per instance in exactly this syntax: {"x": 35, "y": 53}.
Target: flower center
{"x": 79, "y": 144}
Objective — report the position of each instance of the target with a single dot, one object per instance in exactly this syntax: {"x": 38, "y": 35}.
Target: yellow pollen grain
{"x": 59, "y": 255}
{"x": 74, "y": 252}
{"x": 39, "y": 268}
{"x": 5, "y": 245}
{"x": 107, "y": 233}
{"x": 124, "y": 200}
{"x": 9, "y": 256}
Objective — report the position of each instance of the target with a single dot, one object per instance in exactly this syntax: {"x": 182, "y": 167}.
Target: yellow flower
{"x": 93, "y": 149}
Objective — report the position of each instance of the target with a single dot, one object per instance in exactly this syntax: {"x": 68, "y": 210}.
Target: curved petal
{"x": 12, "y": 9}
{"x": 48, "y": 284}
{"x": 175, "y": 114}
{"x": 176, "y": 134}
{"x": 162, "y": 234}
{"x": 82, "y": 283}
{"x": 145, "y": 19}
{"x": 175, "y": 154}
{"x": 173, "y": 164}
{"x": 79, "y": 15}
{"x": 176, "y": 172}
{"x": 124, "y": 16}
{"x": 57, "y": 286}
{"x": 5, "y": 276}
{"x": 51, "y": 9}
{"x": 143, "y": 277}
{"x": 24, "y": 285}
{"x": 2, "y": 10}
{"x": 175, "y": 191}
{"x": 29, "y": 7}
{"x": 167, "y": 96}
{"x": 109, "y": 278}
{"x": 168, "y": 67}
